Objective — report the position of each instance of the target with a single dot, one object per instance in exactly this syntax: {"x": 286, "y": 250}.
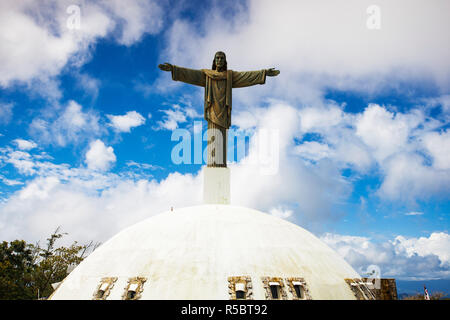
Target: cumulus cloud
{"x": 99, "y": 156}
{"x": 135, "y": 18}
{"x": 22, "y": 161}
{"x": 124, "y": 123}
{"x": 313, "y": 150}
{"x": 10, "y": 182}
{"x": 25, "y": 144}
{"x": 437, "y": 243}
{"x": 281, "y": 213}
{"x": 66, "y": 124}
{"x": 402, "y": 258}
{"x": 408, "y": 179}
{"x": 174, "y": 116}
{"x": 380, "y": 132}
{"x": 438, "y": 146}
{"x": 37, "y": 42}
{"x": 397, "y": 145}
{"x": 272, "y": 174}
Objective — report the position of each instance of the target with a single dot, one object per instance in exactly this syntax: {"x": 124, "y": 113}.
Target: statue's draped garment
{"x": 218, "y": 102}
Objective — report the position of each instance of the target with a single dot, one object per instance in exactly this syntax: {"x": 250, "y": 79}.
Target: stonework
{"x": 373, "y": 289}
{"x": 267, "y": 280}
{"x": 139, "y": 281}
{"x": 290, "y": 282}
{"x": 109, "y": 282}
{"x": 360, "y": 289}
{"x": 247, "y": 281}
{"x": 387, "y": 289}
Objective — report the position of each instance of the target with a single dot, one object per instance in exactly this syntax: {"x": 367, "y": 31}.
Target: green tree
{"x": 28, "y": 271}
{"x": 16, "y": 270}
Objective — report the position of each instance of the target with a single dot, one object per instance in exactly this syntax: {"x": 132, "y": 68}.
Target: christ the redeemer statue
{"x": 218, "y": 83}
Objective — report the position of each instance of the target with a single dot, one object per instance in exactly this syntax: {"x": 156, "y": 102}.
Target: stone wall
{"x": 387, "y": 290}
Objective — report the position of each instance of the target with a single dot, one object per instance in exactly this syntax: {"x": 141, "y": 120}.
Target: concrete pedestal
{"x": 216, "y": 186}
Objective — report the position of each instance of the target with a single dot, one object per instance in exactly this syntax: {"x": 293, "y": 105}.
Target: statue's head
{"x": 220, "y": 61}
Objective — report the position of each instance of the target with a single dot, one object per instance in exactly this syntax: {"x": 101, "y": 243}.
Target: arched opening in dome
{"x": 131, "y": 293}
{"x": 240, "y": 290}
{"x": 298, "y": 290}
{"x": 104, "y": 288}
{"x": 275, "y": 290}
{"x": 100, "y": 294}
{"x": 101, "y": 291}
{"x": 134, "y": 288}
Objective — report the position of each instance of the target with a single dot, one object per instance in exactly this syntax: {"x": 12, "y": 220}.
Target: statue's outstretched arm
{"x": 191, "y": 76}
{"x": 165, "y": 66}
{"x": 272, "y": 72}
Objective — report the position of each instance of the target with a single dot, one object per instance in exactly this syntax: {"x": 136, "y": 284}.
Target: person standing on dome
{"x": 218, "y": 82}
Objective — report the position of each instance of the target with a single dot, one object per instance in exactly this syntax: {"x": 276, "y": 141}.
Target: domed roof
{"x": 201, "y": 252}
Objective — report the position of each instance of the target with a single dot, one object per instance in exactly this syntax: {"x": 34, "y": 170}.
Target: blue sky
{"x": 362, "y": 114}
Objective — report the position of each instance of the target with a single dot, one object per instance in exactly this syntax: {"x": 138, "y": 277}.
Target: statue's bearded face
{"x": 220, "y": 60}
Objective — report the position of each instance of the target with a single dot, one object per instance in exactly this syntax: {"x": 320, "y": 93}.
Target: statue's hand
{"x": 272, "y": 72}
{"x": 165, "y": 66}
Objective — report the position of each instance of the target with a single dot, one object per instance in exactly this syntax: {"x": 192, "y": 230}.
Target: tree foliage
{"x": 420, "y": 296}
{"x": 28, "y": 271}
{"x": 16, "y": 270}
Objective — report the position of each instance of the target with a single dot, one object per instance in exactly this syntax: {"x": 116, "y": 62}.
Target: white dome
{"x": 190, "y": 253}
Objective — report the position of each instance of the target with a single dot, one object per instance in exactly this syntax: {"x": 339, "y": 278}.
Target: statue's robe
{"x": 218, "y": 100}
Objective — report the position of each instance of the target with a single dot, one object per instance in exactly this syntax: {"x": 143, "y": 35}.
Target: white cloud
{"x": 414, "y": 213}
{"x": 144, "y": 166}
{"x": 89, "y": 84}
{"x": 408, "y": 179}
{"x": 402, "y": 258}
{"x": 174, "y": 116}
{"x": 136, "y": 18}
{"x": 313, "y": 150}
{"x": 99, "y": 157}
{"x": 25, "y": 144}
{"x": 313, "y": 119}
{"x": 438, "y": 145}
{"x": 66, "y": 125}
{"x": 295, "y": 184}
{"x": 378, "y": 141}
{"x": 124, "y": 123}
{"x": 22, "y": 161}
{"x": 6, "y": 113}
{"x": 438, "y": 244}
{"x": 37, "y": 44}
{"x": 10, "y": 182}
{"x": 384, "y": 132}
{"x": 29, "y": 47}
{"x": 281, "y": 213}
{"x": 39, "y": 189}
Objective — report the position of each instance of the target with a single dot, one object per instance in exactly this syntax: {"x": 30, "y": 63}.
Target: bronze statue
{"x": 218, "y": 83}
